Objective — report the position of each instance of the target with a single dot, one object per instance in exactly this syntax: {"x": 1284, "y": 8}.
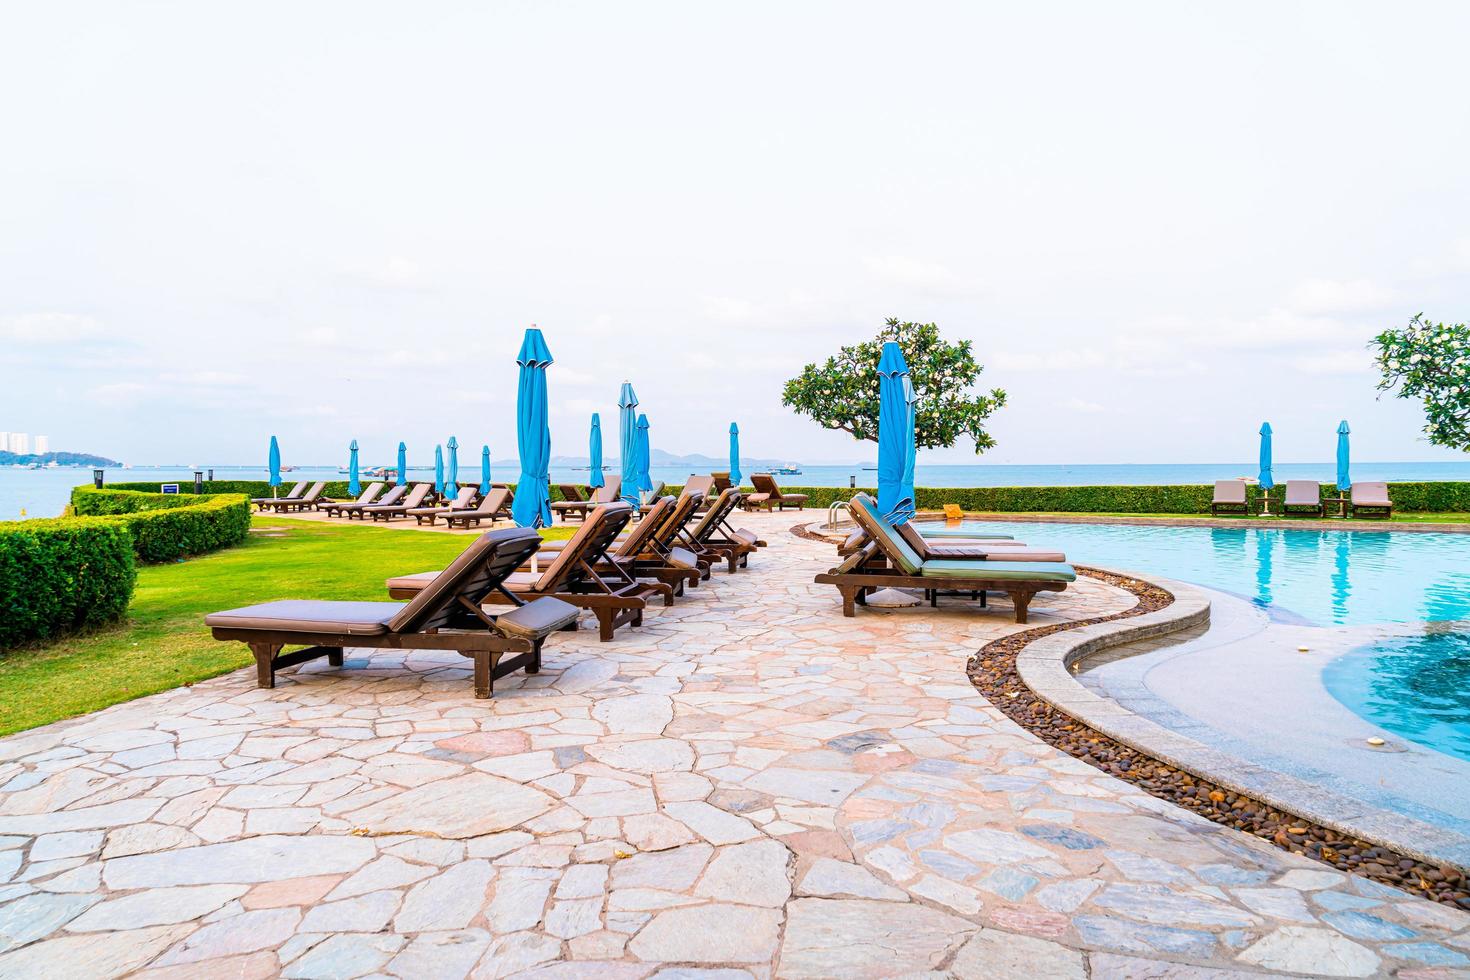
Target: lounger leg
{"x": 334, "y": 656}
{"x": 1021, "y": 600}
{"x": 484, "y": 680}
{"x": 604, "y": 624}
{"x": 849, "y": 599}
{"x": 534, "y": 667}
{"x": 265, "y": 669}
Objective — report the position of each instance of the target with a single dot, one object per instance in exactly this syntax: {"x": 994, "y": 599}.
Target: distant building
{"x": 5, "y": 441}
{"x": 20, "y": 443}
{"x": 43, "y": 445}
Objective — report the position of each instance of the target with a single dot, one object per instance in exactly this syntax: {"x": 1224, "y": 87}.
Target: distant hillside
{"x": 61, "y": 459}
{"x": 696, "y": 461}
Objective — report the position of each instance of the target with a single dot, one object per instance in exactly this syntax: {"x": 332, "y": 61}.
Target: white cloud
{"x": 1083, "y": 406}
{"x": 48, "y": 328}
{"x": 1321, "y": 296}
{"x": 912, "y": 273}
{"x": 1335, "y": 362}
{"x": 206, "y": 379}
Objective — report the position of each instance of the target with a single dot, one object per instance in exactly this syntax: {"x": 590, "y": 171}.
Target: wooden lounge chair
{"x": 354, "y": 511}
{"x": 574, "y": 501}
{"x": 388, "y": 512}
{"x": 888, "y": 562}
{"x": 446, "y": 614}
{"x": 978, "y": 549}
{"x": 1372, "y": 497}
{"x": 615, "y": 598}
{"x": 461, "y": 502}
{"x": 493, "y": 505}
{"x": 1303, "y": 496}
{"x": 647, "y": 497}
{"x": 647, "y": 551}
{"x": 369, "y": 495}
{"x": 1229, "y": 498}
{"x": 719, "y": 483}
{"x": 295, "y": 493}
{"x": 713, "y": 539}
{"x": 307, "y": 501}
{"x": 769, "y": 496}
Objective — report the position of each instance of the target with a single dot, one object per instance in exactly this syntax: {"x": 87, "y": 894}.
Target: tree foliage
{"x": 1431, "y": 362}
{"x": 843, "y": 392}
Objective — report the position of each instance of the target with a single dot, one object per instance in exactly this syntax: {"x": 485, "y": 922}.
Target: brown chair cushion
{"x": 310, "y": 616}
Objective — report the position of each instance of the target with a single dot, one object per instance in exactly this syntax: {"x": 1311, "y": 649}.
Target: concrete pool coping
{"x": 1044, "y": 665}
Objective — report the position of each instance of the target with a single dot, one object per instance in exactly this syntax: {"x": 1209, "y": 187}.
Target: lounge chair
{"x": 615, "y": 598}
{"x": 939, "y": 531}
{"x": 445, "y": 614}
{"x": 354, "y": 511}
{"x": 389, "y": 512}
{"x": 889, "y": 562}
{"x": 1229, "y": 498}
{"x": 369, "y": 495}
{"x": 1303, "y": 496}
{"x": 461, "y": 501}
{"x": 705, "y": 487}
{"x": 720, "y": 482}
{"x": 647, "y": 550}
{"x": 307, "y": 501}
{"x": 978, "y": 549}
{"x": 713, "y": 539}
{"x": 492, "y": 505}
{"x": 295, "y": 493}
{"x": 1371, "y": 497}
{"x": 574, "y": 501}
{"x": 769, "y": 496}
{"x": 647, "y": 497}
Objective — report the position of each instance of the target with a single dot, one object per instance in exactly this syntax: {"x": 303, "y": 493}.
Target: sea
{"x": 26, "y": 493}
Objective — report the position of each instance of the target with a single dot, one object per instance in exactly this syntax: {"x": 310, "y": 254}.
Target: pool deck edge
{"x": 1269, "y": 524}
{"x": 1045, "y": 667}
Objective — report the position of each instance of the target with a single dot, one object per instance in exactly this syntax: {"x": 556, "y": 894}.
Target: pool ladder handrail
{"x": 835, "y": 508}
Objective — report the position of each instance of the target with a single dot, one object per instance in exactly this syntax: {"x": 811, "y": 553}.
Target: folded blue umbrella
{"x": 1344, "y": 480}
{"x": 402, "y": 464}
{"x": 735, "y": 476}
{"x": 439, "y": 470}
{"x": 645, "y": 481}
{"x": 274, "y": 463}
{"x": 895, "y": 430}
{"x": 484, "y": 470}
{"x": 1264, "y": 477}
{"x": 594, "y": 452}
{"x": 532, "y": 504}
{"x": 451, "y": 483}
{"x": 628, "y": 442}
{"x": 354, "y": 485}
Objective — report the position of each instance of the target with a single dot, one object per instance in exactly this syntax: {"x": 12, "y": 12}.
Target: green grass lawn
{"x": 164, "y": 642}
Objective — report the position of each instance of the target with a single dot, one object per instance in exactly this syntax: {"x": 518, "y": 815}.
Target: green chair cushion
{"x": 1007, "y": 571}
{"x": 894, "y": 546}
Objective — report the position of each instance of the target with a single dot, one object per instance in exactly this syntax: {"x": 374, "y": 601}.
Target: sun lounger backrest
{"x": 462, "y": 499}
{"x": 668, "y": 529}
{"x": 765, "y": 483}
{"x": 1370, "y": 495}
{"x": 370, "y": 494}
{"x": 571, "y": 492}
{"x": 637, "y": 540}
{"x": 316, "y": 490}
{"x": 297, "y": 490}
{"x": 493, "y": 501}
{"x": 1229, "y": 491}
{"x": 1306, "y": 492}
{"x": 894, "y": 547}
{"x": 608, "y": 494}
{"x": 715, "y": 516}
{"x": 477, "y": 570}
{"x": 704, "y": 484}
{"x": 588, "y": 544}
{"x": 394, "y": 494}
{"x": 417, "y": 494}
{"x": 719, "y": 483}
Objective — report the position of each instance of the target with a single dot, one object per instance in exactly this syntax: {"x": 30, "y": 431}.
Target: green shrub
{"x": 61, "y": 575}
{"x": 166, "y": 527}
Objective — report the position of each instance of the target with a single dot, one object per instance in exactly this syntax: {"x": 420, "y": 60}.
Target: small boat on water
{"x": 790, "y": 469}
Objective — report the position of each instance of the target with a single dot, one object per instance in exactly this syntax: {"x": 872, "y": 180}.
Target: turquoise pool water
{"x": 1417, "y": 687}
{"x": 1324, "y": 578}
{"x": 1414, "y": 686}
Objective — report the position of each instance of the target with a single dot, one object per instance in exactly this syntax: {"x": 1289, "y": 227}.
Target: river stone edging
{"x": 1044, "y": 666}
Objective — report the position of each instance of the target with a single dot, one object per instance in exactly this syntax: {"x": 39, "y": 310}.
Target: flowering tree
{"x": 843, "y": 392}
{"x": 1431, "y": 361}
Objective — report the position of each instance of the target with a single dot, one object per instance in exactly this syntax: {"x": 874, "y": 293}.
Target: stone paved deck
{"x": 750, "y": 784}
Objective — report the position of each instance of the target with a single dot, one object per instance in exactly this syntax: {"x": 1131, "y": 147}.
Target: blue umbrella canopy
{"x": 628, "y": 442}
{"x": 894, "y": 428}
{"x": 439, "y": 469}
{"x": 354, "y": 485}
{"x": 911, "y": 456}
{"x": 402, "y": 464}
{"x": 1264, "y": 478}
{"x": 594, "y": 453}
{"x": 645, "y": 482}
{"x": 451, "y": 483}
{"x": 275, "y": 463}
{"x": 484, "y": 469}
{"x": 1344, "y": 480}
{"x": 735, "y": 476}
{"x": 532, "y": 505}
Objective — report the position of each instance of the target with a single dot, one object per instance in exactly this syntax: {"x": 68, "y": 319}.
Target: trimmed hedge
{"x": 59, "y": 575}
{"x": 166, "y": 527}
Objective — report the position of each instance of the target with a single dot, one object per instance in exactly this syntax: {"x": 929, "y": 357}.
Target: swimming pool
{"x": 1414, "y": 686}
{"x": 1322, "y": 578}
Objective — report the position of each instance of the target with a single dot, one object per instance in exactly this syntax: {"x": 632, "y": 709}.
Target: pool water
{"x": 1414, "y": 686}
{"x": 1322, "y": 578}
{"x": 1417, "y": 687}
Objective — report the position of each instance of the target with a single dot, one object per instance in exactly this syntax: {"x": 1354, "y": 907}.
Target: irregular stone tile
{"x": 674, "y": 870}
{"x": 1071, "y": 839}
{"x": 244, "y": 933}
{"x": 709, "y": 934}
{"x": 649, "y": 755}
{"x": 1431, "y": 954}
{"x": 292, "y": 891}
{"x": 1111, "y": 966}
{"x": 519, "y": 899}
{"x": 634, "y": 714}
{"x": 850, "y": 937}
{"x": 440, "y": 955}
{"x": 385, "y": 872}
{"x": 1155, "y": 903}
{"x": 145, "y": 838}
{"x": 1362, "y": 925}
{"x": 839, "y": 879}
{"x": 959, "y": 898}
{"x": 1124, "y": 935}
{"x": 76, "y": 844}
{"x": 365, "y": 913}
{"x": 583, "y": 881}
{"x": 344, "y": 957}
{"x": 1320, "y": 952}
{"x": 809, "y": 785}
{"x": 105, "y": 954}
{"x": 656, "y": 832}
{"x": 713, "y": 824}
{"x": 514, "y": 953}
{"x": 34, "y": 916}
{"x": 249, "y": 966}
{"x": 447, "y": 901}
{"x": 155, "y": 907}
{"x": 991, "y": 846}
{"x": 994, "y": 955}
{"x": 749, "y": 874}
{"x": 471, "y": 805}
{"x": 1066, "y": 896}
{"x": 246, "y": 861}
{"x": 575, "y": 917}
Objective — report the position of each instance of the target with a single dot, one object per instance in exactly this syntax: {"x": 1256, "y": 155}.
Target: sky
{"x": 1158, "y": 223}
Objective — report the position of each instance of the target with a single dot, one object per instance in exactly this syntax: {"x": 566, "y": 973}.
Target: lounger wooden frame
{"x": 713, "y": 537}
{"x": 307, "y": 501}
{"x": 338, "y": 508}
{"x": 295, "y": 493}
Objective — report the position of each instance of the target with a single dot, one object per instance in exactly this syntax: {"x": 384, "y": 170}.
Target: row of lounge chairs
{"x": 938, "y": 561}
{"x": 1368, "y": 499}
{"x": 607, "y": 568}
{"x": 577, "y": 500}
{"x": 465, "y": 510}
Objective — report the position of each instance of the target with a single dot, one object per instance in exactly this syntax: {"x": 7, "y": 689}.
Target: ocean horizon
{"x": 26, "y": 493}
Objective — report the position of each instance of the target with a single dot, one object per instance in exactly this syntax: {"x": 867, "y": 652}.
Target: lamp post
{"x": 97, "y": 479}
{"x": 198, "y": 481}
{"x": 852, "y": 481}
